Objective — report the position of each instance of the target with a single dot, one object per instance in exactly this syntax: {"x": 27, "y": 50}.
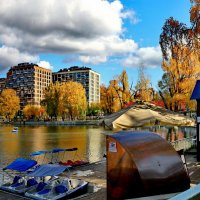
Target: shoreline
{"x": 55, "y": 123}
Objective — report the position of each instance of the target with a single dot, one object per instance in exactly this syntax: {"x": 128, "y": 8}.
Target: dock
{"x": 95, "y": 174}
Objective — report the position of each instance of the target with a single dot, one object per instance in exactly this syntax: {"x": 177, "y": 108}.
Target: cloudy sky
{"x": 106, "y": 35}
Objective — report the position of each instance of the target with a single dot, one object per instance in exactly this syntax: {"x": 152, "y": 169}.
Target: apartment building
{"x": 29, "y": 80}
{"x": 2, "y": 84}
{"x": 84, "y": 75}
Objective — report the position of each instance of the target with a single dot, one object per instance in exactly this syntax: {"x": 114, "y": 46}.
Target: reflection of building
{"x": 84, "y": 75}
{"x": 29, "y": 81}
{"x": 95, "y": 144}
{"x": 2, "y": 84}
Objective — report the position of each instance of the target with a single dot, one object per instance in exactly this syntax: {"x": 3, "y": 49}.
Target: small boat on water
{"x": 15, "y": 129}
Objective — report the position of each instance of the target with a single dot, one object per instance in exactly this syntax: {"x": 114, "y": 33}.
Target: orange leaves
{"x": 180, "y": 47}
{"x": 117, "y": 94}
{"x": 34, "y": 111}
{"x": 173, "y": 22}
{"x": 143, "y": 86}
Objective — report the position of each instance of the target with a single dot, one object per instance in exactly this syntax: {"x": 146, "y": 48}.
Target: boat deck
{"x": 95, "y": 174}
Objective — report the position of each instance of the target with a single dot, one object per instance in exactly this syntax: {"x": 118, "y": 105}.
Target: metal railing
{"x": 184, "y": 144}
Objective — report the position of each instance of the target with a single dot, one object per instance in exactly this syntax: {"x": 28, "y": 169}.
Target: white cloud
{"x": 10, "y": 56}
{"x": 130, "y": 14}
{"x": 93, "y": 59}
{"x": 82, "y": 27}
{"x": 45, "y": 64}
{"x": 88, "y": 30}
{"x": 149, "y": 57}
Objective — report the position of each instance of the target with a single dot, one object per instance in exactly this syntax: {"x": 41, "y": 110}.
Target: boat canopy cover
{"x": 36, "y": 153}
{"x": 21, "y": 164}
{"x": 48, "y": 170}
{"x": 145, "y": 114}
{"x": 56, "y": 150}
{"x": 196, "y": 91}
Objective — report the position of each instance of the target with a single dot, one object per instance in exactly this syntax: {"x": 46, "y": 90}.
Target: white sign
{"x": 112, "y": 147}
{"x": 198, "y": 119}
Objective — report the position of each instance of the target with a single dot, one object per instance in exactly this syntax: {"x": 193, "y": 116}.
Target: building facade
{"x": 29, "y": 80}
{"x": 84, "y": 75}
{"x": 2, "y": 84}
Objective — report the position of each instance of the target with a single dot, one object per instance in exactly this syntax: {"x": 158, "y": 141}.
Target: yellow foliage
{"x": 143, "y": 86}
{"x": 9, "y": 103}
{"x": 182, "y": 71}
{"x": 72, "y": 99}
{"x": 34, "y": 111}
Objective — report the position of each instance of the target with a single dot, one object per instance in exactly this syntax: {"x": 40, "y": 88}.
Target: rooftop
{"x": 74, "y": 68}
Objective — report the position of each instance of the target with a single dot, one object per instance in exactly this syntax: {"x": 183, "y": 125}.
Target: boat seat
{"x": 40, "y": 186}
{"x": 17, "y": 184}
{"x": 31, "y": 182}
{"x": 16, "y": 179}
{"x": 60, "y": 189}
{"x": 45, "y": 191}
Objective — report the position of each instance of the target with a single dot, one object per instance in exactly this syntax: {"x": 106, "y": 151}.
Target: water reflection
{"x": 89, "y": 141}
{"x": 172, "y": 133}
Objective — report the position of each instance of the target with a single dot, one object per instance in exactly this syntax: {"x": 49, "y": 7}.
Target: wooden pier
{"x": 95, "y": 174}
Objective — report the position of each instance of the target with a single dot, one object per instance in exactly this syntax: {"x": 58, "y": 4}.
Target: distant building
{"x": 29, "y": 80}
{"x": 84, "y": 75}
{"x": 2, "y": 84}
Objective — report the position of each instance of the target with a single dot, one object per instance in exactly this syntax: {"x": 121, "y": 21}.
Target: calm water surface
{"x": 88, "y": 139}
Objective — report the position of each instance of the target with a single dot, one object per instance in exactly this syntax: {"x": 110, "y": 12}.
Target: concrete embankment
{"x": 56, "y": 123}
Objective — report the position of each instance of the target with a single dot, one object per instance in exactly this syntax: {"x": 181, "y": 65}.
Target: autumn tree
{"x": 117, "y": 94}
{"x": 34, "y": 111}
{"x": 123, "y": 90}
{"x": 65, "y": 100}
{"x": 106, "y": 99}
{"x": 9, "y": 103}
{"x": 72, "y": 100}
{"x": 94, "y": 109}
{"x": 195, "y": 21}
{"x": 180, "y": 49}
{"x": 110, "y": 100}
{"x": 51, "y": 99}
{"x": 144, "y": 90}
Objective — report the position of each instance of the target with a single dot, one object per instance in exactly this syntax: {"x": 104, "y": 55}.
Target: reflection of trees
{"x": 171, "y": 134}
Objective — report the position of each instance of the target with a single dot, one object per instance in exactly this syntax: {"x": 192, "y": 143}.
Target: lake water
{"x": 88, "y": 139}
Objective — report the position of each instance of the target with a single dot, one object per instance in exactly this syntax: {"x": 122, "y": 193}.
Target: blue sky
{"x": 108, "y": 36}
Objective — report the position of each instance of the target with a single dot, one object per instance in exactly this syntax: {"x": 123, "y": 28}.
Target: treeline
{"x": 180, "y": 47}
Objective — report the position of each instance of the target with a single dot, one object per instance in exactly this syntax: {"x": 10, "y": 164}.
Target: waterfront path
{"x": 95, "y": 174}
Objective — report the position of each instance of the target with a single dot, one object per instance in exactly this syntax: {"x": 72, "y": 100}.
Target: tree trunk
{"x": 165, "y": 103}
